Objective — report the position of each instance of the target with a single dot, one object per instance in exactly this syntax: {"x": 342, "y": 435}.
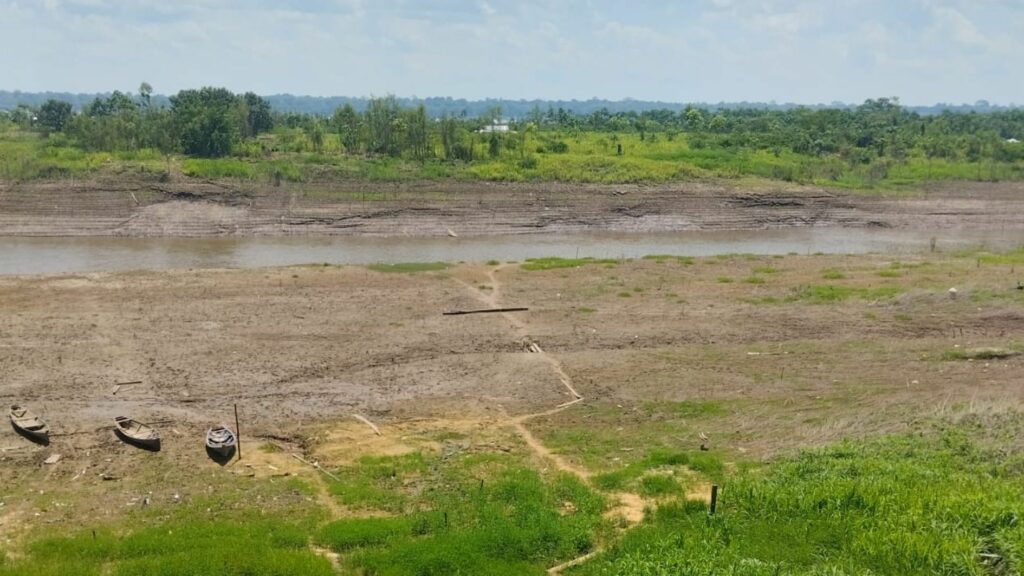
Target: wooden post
{"x": 238, "y": 434}
{"x": 714, "y": 499}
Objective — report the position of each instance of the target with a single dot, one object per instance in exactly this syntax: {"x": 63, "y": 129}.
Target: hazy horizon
{"x": 924, "y": 52}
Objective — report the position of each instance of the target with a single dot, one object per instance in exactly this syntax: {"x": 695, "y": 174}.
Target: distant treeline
{"x": 214, "y": 122}
{"x": 436, "y": 107}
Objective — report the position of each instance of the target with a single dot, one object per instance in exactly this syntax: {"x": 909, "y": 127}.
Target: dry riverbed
{"x": 764, "y": 355}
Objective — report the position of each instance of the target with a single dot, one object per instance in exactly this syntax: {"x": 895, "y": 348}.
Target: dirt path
{"x": 628, "y": 505}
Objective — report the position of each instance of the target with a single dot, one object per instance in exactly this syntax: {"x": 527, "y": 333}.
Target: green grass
{"x": 906, "y": 505}
{"x": 554, "y": 263}
{"x": 471, "y": 514}
{"x": 829, "y": 294}
{"x": 409, "y": 267}
{"x": 709, "y": 464}
{"x": 255, "y": 547}
{"x": 832, "y": 274}
{"x": 657, "y": 485}
{"x": 890, "y": 273}
{"x": 724, "y": 280}
{"x": 591, "y": 157}
{"x": 661, "y": 258}
{"x": 753, "y": 280}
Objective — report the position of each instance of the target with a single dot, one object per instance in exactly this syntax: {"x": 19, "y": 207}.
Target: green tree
{"x": 258, "y": 118}
{"x": 204, "y": 123}
{"x": 53, "y": 115}
{"x": 383, "y": 125}
{"x": 345, "y": 121}
{"x": 417, "y": 137}
{"x": 145, "y": 94}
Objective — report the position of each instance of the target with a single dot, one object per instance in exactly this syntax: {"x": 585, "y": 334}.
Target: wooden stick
{"x": 714, "y": 500}
{"x": 314, "y": 465}
{"x": 238, "y": 434}
{"x": 483, "y": 311}
{"x": 364, "y": 420}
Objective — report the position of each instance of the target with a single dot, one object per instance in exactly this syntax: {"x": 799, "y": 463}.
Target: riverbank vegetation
{"x": 945, "y": 499}
{"x": 212, "y": 133}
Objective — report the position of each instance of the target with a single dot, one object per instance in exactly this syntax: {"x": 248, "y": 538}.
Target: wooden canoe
{"x": 26, "y": 422}
{"x": 221, "y": 441}
{"x": 137, "y": 433}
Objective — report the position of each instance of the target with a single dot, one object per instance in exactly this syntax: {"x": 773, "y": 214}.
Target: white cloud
{"x": 786, "y": 50}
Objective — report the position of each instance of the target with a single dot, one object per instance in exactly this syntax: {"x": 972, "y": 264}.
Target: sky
{"x": 803, "y": 51}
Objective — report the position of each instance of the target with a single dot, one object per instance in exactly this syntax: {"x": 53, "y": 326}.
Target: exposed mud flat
{"x": 140, "y": 206}
{"x": 302, "y": 350}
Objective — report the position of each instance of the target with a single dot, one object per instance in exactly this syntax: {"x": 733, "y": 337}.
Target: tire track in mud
{"x": 629, "y": 505}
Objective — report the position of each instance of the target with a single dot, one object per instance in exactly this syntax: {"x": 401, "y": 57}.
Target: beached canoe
{"x": 26, "y": 422}
{"x": 137, "y": 433}
{"x": 221, "y": 441}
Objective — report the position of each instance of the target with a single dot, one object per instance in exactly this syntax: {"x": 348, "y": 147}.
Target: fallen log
{"x": 483, "y": 311}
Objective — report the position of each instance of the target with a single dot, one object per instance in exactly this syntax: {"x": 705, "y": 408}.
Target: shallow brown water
{"x": 64, "y": 255}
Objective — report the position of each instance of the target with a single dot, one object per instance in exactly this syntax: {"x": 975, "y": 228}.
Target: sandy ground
{"x": 303, "y": 349}
{"x": 136, "y": 205}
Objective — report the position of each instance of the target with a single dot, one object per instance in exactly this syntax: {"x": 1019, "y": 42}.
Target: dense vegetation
{"x": 220, "y": 134}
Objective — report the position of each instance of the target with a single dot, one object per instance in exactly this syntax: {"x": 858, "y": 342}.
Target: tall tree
{"x": 346, "y": 121}
{"x": 258, "y": 118}
{"x": 53, "y": 115}
{"x": 204, "y": 121}
{"x": 384, "y": 125}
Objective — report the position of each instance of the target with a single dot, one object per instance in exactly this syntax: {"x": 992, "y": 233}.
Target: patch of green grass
{"x": 828, "y": 294}
{"x": 890, "y": 274}
{"x": 660, "y": 258}
{"x": 724, "y": 280}
{"x": 832, "y": 274}
{"x": 409, "y": 267}
{"x": 514, "y": 523}
{"x": 585, "y": 310}
{"x": 766, "y": 270}
{"x": 915, "y": 504}
{"x": 256, "y": 547}
{"x": 625, "y": 295}
{"x": 686, "y": 408}
{"x": 753, "y": 280}
{"x": 344, "y": 535}
{"x": 553, "y": 263}
{"x": 493, "y": 262}
{"x": 707, "y": 463}
{"x": 1009, "y": 257}
{"x": 659, "y": 485}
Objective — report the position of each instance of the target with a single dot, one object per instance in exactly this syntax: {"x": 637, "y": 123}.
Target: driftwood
{"x": 483, "y": 311}
{"x": 117, "y": 386}
{"x": 366, "y": 421}
{"x": 314, "y": 465}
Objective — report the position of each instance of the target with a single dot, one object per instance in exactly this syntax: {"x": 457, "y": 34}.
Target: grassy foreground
{"x": 939, "y": 502}
{"x": 945, "y": 500}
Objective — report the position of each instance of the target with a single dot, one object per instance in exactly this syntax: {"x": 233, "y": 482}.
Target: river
{"x": 19, "y": 255}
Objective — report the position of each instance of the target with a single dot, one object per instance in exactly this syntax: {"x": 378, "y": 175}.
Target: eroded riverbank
{"x": 142, "y": 206}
